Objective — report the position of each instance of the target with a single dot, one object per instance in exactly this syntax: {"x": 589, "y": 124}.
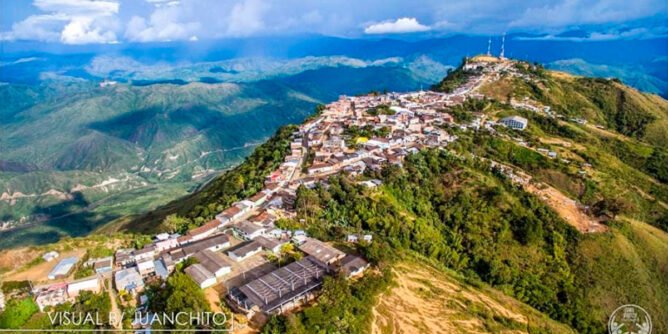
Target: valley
{"x": 84, "y": 159}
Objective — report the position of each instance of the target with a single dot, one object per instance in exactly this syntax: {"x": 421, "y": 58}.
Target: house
{"x": 162, "y": 236}
{"x": 123, "y": 258}
{"x": 245, "y": 251}
{"x": 247, "y": 230}
{"x": 320, "y": 168}
{"x": 299, "y": 237}
{"x": 229, "y": 215}
{"x": 265, "y": 219}
{"x": 163, "y": 244}
{"x": 50, "y": 256}
{"x": 258, "y": 198}
{"x": 63, "y": 268}
{"x": 321, "y": 252}
{"x": 204, "y": 231}
{"x": 92, "y": 284}
{"x": 381, "y": 143}
{"x": 51, "y": 296}
{"x": 146, "y": 253}
{"x": 201, "y": 276}
{"x": 275, "y": 176}
{"x": 353, "y": 265}
{"x": 213, "y": 262}
{"x": 129, "y": 280}
{"x": 212, "y": 243}
{"x": 161, "y": 269}
{"x": 271, "y": 244}
{"x": 104, "y": 265}
{"x": 515, "y": 122}
{"x": 146, "y": 267}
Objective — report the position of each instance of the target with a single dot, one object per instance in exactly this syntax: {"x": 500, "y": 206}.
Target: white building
{"x": 91, "y": 284}
{"x": 515, "y": 122}
{"x": 201, "y": 276}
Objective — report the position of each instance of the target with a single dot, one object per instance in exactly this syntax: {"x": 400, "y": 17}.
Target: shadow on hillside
{"x": 68, "y": 219}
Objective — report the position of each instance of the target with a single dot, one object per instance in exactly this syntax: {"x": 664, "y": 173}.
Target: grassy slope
{"x": 627, "y": 266}
{"x": 449, "y": 304}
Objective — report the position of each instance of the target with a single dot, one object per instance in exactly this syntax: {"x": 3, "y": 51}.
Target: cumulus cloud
{"x": 246, "y": 18}
{"x": 68, "y": 21}
{"x": 164, "y": 24}
{"x": 400, "y": 26}
{"x": 89, "y": 21}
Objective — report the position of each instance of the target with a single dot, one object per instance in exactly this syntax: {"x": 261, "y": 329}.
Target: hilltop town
{"x": 232, "y": 252}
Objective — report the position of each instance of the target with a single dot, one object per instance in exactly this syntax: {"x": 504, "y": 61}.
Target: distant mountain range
{"x": 76, "y": 152}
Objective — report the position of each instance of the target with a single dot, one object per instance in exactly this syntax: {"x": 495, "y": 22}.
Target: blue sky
{"x": 121, "y": 21}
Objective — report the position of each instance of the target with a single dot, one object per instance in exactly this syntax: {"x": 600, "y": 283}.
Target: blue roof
{"x": 64, "y": 266}
{"x": 160, "y": 269}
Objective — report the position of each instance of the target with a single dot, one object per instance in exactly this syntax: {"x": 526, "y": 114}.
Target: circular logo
{"x": 630, "y": 319}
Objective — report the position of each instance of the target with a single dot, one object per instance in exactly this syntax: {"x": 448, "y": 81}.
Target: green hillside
{"x": 75, "y": 156}
{"x": 466, "y": 216}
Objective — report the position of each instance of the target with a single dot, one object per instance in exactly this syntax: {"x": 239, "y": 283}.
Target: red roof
{"x": 258, "y": 196}
{"x": 212, "y": 225}
{"x": 231, "y": 211}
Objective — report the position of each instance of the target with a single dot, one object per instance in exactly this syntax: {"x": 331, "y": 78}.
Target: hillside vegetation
{"x": 469, "y": 218}
{"x": 75, "y": 156}
{"x": 448, "y": 304}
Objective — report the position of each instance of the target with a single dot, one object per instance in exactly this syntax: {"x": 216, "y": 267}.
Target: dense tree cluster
{"x": 468, "y": 217}
{"x": 455, "y": 79}
{"x": 246, "y": 179}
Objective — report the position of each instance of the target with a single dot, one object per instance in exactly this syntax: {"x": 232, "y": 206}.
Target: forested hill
{"x": 453, "y": 208}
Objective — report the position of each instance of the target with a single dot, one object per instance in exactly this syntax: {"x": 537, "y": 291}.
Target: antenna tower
{"x": 503, "y": 46}
{"x": 489, "y": 46}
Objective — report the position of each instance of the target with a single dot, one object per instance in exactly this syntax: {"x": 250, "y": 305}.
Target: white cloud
{"x": 164, "y": 24}
{"x": 81, "y": 30}
{"x": 246, "y": 18}
{"x": 161, "y": 3}
{"x": 400, "y": 26}
{"x": 68, "y": 21}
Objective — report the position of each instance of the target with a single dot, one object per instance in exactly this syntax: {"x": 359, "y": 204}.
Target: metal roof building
{"x": 63, "y": 268}
{"x": 281, "y": 289}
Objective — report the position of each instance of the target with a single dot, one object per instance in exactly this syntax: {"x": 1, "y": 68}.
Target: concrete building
{"x": 92, "y": 284}
{"x": 63, "y": 268}
{"x": 50, "y": 256}
{"x": 244, "y": 251}
{"x": 103, "y": 266}
{"x": 353, "y": 265}
{"x": 201, "y": 276}
{"x": 129, "y": 280}
{"x": 515, "y": 122}
{"x": 214, "y": 263}
{"x": 325, "y": 254}
{"x": 280, "y": 290}
{"x": 146, "y": 267}
{"x": 51, "y": 296}
{"x": 247, "y": 230}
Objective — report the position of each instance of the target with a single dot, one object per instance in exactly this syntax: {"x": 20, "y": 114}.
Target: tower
{"x": 503, "y": 46}
{"x": 489, "y": 46}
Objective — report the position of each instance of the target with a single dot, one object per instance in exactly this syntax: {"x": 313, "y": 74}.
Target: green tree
{"x": 17, "y": 312}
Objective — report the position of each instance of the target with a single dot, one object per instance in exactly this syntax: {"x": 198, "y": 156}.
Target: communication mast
{"x": 489, "y": 46}
{"x": 503, "y": 46}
